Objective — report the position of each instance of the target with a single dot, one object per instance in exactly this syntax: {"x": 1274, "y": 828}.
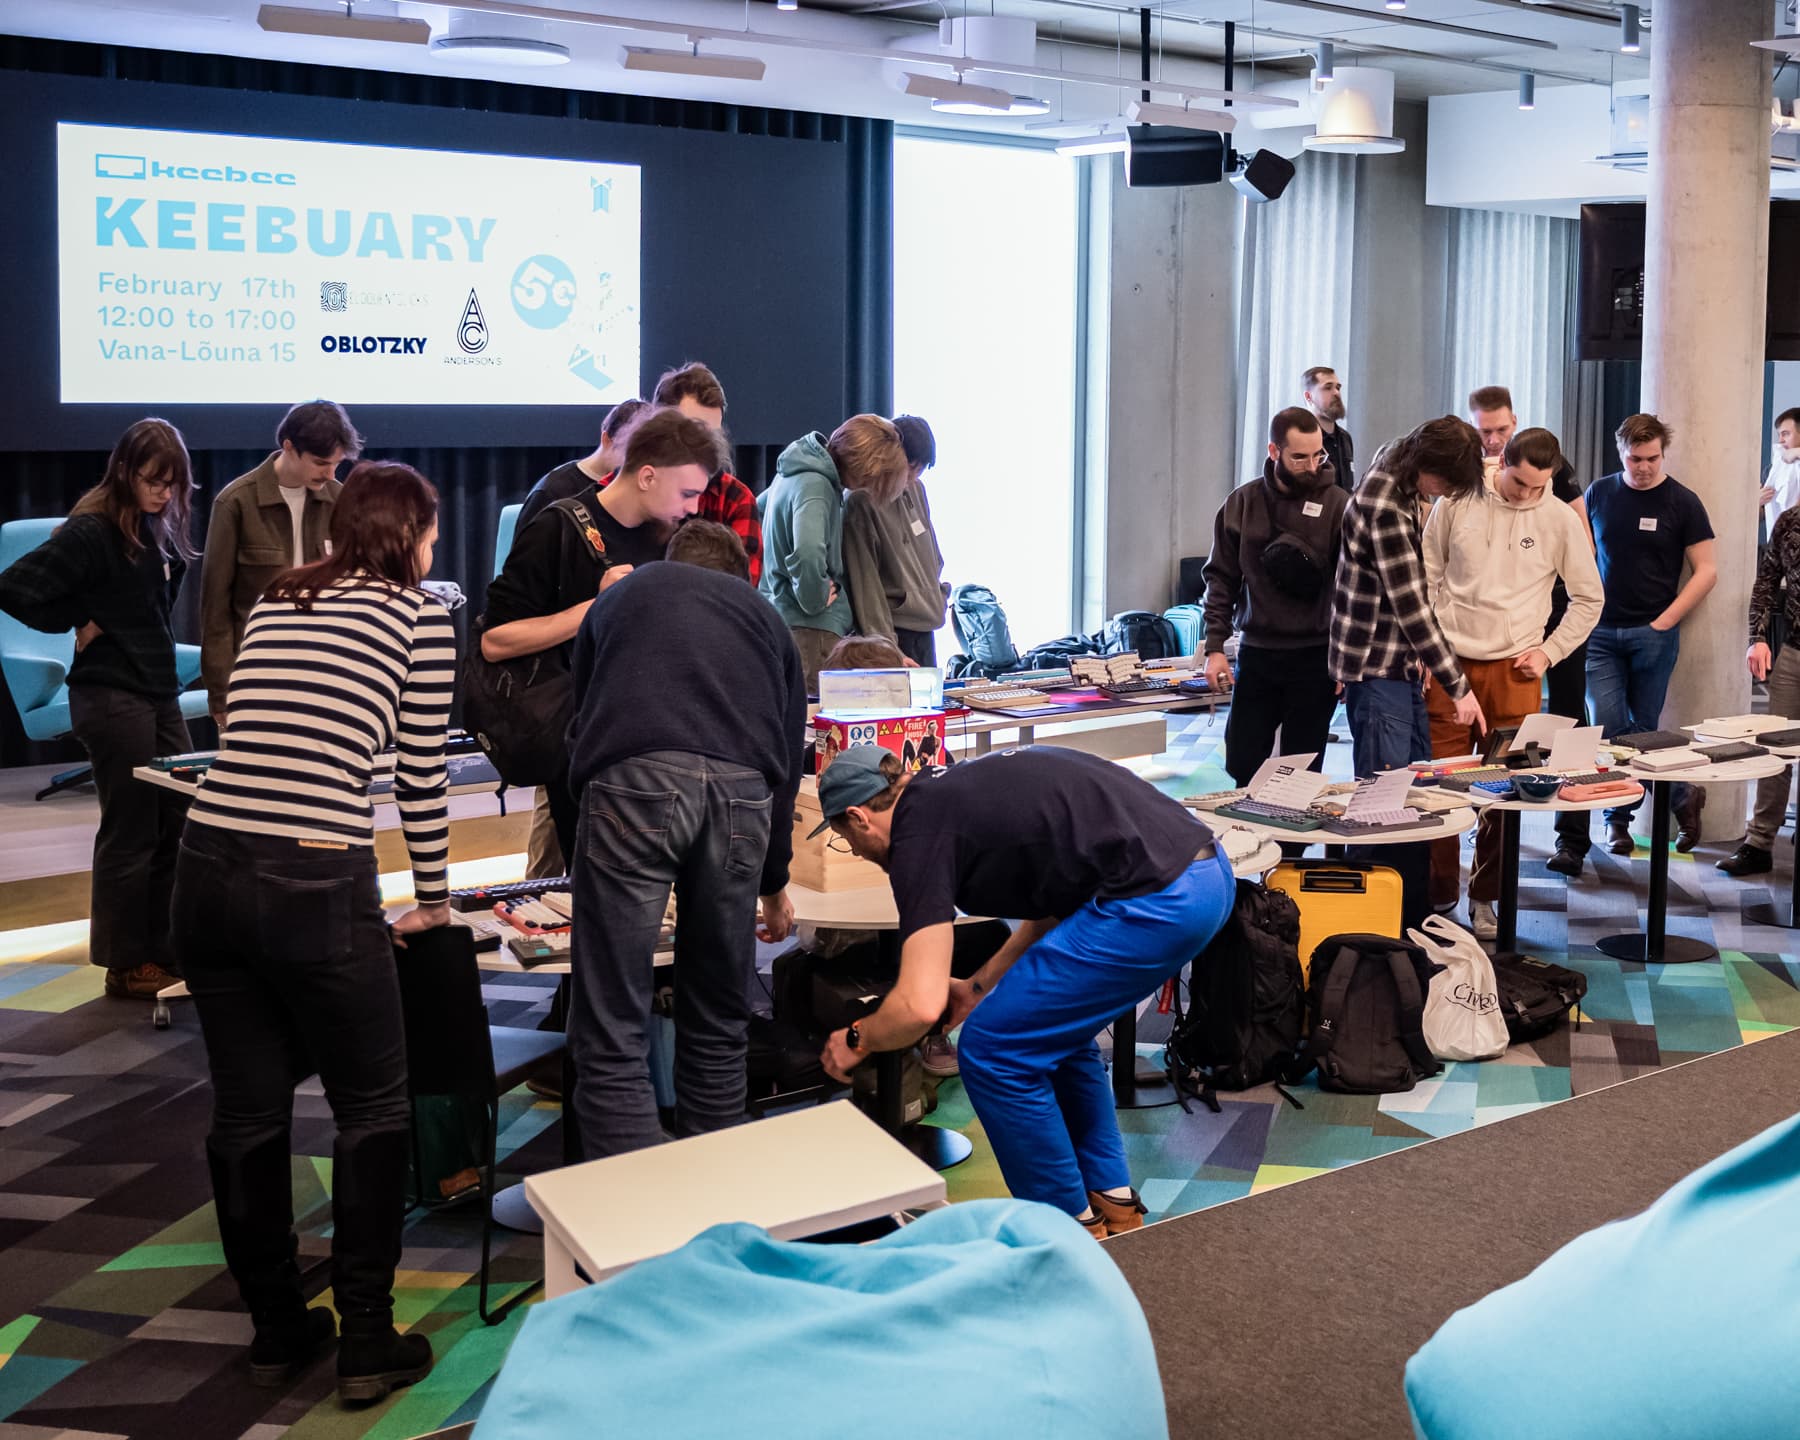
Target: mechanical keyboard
{"x": 1463, "y": 780}
{"x": 1653, "y": 740}
{"x": 535, "y": 916}
{"x": 1281, "y": 817}
{"x": 1492, "y": 787}
{"x": 531, "y": 950}
{"x": 1131, "y": 689}
{"x": 1340, "y": 825}
{"x": 1736, "y": 750}
{"x": 1003, "y": 697}
{"x": 486, "y": 897}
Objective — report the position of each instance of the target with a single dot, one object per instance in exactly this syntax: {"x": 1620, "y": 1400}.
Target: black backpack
{"x": 1536, "y": 996}
{"x": 1056, "y": 654}
{"x": 519, "y": 710}
{"x": 1247, "y": 1004}
{"x": 1153, "y": 637}
{"x": 1366, "y": 1003}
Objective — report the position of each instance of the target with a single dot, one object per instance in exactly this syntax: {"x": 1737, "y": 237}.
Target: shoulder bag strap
{"x": 583, "y": 521}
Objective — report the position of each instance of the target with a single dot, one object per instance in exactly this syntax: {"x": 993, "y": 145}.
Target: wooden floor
{"x": 46, "y": 846}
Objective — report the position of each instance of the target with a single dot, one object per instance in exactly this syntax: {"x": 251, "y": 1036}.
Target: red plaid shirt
{"x": 729, "y": 502}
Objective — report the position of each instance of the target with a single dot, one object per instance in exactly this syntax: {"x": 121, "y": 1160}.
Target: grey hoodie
{"x": 893, "y": 562}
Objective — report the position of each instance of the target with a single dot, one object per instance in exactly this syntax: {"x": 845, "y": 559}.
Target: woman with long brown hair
{"x": 110, "y": 573}
{"x": 277, "y": 911}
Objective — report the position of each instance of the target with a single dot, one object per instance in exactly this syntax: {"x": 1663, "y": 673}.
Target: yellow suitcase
{"x": 1338, "y": 897}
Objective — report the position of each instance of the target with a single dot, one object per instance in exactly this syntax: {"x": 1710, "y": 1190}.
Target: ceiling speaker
{"x": 1262, "y": 176}
{"x": 1171, "y": 155}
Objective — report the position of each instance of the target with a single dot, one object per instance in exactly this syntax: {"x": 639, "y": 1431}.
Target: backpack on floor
{"x": 1190, "y": 628}
{"x": 1151, "y": 636}
{"x": 981, "y": 629}
{"x": 1246, "y": 1004}
{"x": 1366, "y": 1005}
{"x": 1536, "y": 996}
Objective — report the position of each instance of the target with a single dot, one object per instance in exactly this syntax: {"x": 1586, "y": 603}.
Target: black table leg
{"x": 1129, "y": 1073}
{"x": 1654, "y": 946}
{"x": 1506, "y": 931}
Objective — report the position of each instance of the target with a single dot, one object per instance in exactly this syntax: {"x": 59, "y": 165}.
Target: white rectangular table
{"x": 795, "y": 1175}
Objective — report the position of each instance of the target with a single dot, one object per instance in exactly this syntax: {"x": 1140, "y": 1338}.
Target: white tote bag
{"x": 1462, "y": 1009}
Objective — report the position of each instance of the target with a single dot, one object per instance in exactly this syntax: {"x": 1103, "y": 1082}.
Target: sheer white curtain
{"x": 1509, "y": 314}
{"x": 1297, "y": 259}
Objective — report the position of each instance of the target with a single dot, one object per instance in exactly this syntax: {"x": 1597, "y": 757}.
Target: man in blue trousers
{"x": 1115, "y": 887}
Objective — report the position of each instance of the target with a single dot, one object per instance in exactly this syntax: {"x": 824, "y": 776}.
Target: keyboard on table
{"x": 1654, "y": 740}
{"x": 1003, "y": 697}
{"x": 1280, "y": 817}
{"x": 544, "y": 949}
{"x": 538, "y": 915}
{"x": 1464, "y": 780}
{"x": 1132, "y": 689}
{"x": 1343, "y": 825}
{"x": 486, "y": 897}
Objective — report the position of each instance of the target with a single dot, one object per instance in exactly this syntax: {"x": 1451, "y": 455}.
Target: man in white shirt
{"x": 1781, "y": 487}
{"x": 1492, "y": 560}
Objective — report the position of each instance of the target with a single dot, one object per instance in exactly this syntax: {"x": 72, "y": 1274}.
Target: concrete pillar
{"x": 1705, "y": 286}
{"x": 1161, "y": 391}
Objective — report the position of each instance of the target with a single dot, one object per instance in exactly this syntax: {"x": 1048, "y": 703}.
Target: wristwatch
{"x": 853, "y": 1037}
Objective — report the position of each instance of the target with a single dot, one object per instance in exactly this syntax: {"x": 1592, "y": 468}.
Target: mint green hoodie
{"x": 803, "y": 538}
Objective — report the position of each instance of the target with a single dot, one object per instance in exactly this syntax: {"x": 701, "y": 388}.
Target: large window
{"x": 985, "y": 298}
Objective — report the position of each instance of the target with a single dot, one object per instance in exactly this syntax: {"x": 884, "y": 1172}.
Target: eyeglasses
{"x": 165, "y": 485}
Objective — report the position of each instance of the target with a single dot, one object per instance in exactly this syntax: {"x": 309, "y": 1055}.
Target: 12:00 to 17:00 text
{"x": 166, "y": 317}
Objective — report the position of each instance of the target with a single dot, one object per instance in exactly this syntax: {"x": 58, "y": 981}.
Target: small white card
{"x": 1311, "y": 508}
{"x": 1541, "y": 729}
{"x": 918, "y": 527}
{"x": 1285, "y": 780}
{"x": 1574, "y": 749}
{"x": 1382, "y": 798}
{"x": 1647, "y": 522}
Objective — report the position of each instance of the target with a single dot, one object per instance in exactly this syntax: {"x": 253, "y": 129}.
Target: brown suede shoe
{"x": 1119, "y": 1215}
{"x": 1095, "y": 1227}
{"x": 141, "y": 982}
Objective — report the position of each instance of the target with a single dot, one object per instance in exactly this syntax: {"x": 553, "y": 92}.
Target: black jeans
{"x": 140, "y": 825}
{"x": 291, "y": 967}
{"x": 1286, "y": 690}
{"x": 1566, "y": 694}
{"x": 648, "y": 824}
{"x": 918, "y": 645}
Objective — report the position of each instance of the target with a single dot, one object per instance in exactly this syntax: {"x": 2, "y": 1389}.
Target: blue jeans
{"x": 1388, "y": 724}
{"x": 1029, "y": 1062}
{"x": 1628, "y": 670}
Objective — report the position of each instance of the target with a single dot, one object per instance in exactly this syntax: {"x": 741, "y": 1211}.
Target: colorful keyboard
{"x": 1463, "y": 780}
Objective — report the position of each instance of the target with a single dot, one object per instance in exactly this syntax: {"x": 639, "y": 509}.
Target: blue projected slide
{"x": 234, "y": 269}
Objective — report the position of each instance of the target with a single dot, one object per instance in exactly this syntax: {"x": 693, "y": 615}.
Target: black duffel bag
{"x": 1535, "y": 996}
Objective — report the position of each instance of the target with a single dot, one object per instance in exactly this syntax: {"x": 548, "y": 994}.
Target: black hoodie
{"x": 1239, "y": 593}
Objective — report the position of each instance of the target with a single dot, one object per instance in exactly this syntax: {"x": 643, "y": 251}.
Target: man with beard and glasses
{"x": 1274, "y": 556}
{"x": 1325, "y": 398}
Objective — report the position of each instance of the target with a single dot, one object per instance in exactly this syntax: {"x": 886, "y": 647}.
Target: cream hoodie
{"x": 1490, "y": 567}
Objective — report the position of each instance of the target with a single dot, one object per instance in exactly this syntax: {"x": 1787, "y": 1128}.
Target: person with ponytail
{"x": 277, "y": 912}
{"x": 111, "y": 573}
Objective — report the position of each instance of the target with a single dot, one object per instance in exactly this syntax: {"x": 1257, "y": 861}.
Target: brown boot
{"x": 141, "y": 982}
{"x": 1119, "y": 1215}
{"x": 1096, "y": 1226}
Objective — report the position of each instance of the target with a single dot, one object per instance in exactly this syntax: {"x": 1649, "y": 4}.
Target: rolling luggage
{"x": 1339, "y": 897}
{"x": 1190, "y": 627}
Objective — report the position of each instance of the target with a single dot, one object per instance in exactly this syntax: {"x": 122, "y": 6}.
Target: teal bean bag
{"x": 1682, "y": 1323}
{"x": 995, "y": 1318}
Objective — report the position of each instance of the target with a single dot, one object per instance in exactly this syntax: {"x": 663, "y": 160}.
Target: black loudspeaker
{"x": 1172, "y": 155}
{"x": 1262, "y": 176}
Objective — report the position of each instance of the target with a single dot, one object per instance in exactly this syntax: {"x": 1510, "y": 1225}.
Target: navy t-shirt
{"x": 1642, "y": 537}
{"x": 1030, "y": 834}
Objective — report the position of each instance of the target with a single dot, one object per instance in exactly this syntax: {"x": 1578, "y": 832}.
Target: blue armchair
{"x": 36, "y": 665}
{"x": 509, "y": 522}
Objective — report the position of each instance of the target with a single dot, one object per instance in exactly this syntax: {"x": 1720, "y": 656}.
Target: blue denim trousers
{"x": 1388, "y": 724}
{"x": 1628, "y": 670}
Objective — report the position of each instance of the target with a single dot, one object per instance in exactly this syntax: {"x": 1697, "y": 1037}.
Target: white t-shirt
{"x": 295, "y": 495}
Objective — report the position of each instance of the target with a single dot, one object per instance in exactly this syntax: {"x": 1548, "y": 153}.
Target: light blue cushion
{"x": 1683, "y": 1321}
{"x": 995, "y": 1318}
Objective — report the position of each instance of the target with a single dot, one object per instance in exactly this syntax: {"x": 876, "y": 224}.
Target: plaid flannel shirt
{"x": 728, "y": 501}
{"x": 1780, "y": 561}
{"x": 1382, "y": 625}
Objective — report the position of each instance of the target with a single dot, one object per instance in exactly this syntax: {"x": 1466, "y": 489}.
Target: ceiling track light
{"x": 295, "y": 20}
{"x": 684, "y": 62}
{"x": 502, "y": 49}
{"x": 1527, "y": 90}
{"x": 1144, "y": 112}
{"x": 1322, "y": 64}
{"x": 1106, "y": 142}
{"x": 960, "y": 97}
{"x": 1630, "y": 40}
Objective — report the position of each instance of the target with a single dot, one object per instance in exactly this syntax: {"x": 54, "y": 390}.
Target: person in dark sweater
{"x": 560, "y": 562}
{"x": 574, "y": 478}
{"x": 690, "y": 707}
{"x": 1274, "y": 555}
{"x": 111, "y": 574}
{"x": 1324, "y": 394}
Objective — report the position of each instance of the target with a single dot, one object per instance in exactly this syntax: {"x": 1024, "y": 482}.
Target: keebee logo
{"x": 140, "y": 167}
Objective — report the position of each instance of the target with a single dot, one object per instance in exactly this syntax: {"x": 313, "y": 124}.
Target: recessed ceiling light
{"x": 294, "y": 20}
{"x": 503, "y": 49}
{"x": 683, "y": 62}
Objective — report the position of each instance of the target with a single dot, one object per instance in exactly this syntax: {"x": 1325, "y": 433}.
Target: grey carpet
{"x": 1293, "y": 1313}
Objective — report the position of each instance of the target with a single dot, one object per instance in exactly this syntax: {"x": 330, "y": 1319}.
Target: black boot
{"x": 1687, "y": 819}
{"x": 254, "y": 1199}
{"x": 368, "y": 1203}
{"x": 1748, "y": 859}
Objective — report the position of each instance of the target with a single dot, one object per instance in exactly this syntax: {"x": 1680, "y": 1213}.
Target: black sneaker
{"x": 1564, "y": 862}
{"x": 1748, "y": 859}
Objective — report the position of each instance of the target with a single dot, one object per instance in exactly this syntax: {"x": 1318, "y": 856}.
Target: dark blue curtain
{"x": 476, "y": 484}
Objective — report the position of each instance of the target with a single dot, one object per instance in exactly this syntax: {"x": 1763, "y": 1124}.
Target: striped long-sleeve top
{"x": 315, "y": 696}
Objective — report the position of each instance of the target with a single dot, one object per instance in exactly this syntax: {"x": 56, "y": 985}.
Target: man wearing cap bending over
{"x": 1115, "y": 888}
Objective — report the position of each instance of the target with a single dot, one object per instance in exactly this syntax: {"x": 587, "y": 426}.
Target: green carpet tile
{"x": 117, "y": 1319}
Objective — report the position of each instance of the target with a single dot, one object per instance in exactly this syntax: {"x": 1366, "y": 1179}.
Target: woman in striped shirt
{"x": 278, "y": 916}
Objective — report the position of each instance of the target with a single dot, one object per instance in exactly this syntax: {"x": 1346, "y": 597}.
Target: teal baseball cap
{"x": 853, "y": 778}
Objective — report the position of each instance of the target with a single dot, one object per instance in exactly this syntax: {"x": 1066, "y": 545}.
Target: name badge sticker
{"x": 1648, "y": 522}
{"x": 918, "y": 527}
{"x": 327, "y": 545}
{"x": 1312, "y": 507}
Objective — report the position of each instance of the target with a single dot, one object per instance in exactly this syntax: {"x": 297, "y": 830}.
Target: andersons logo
{"x": 372, "y": 344}
{"x": 472, "y": 333}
